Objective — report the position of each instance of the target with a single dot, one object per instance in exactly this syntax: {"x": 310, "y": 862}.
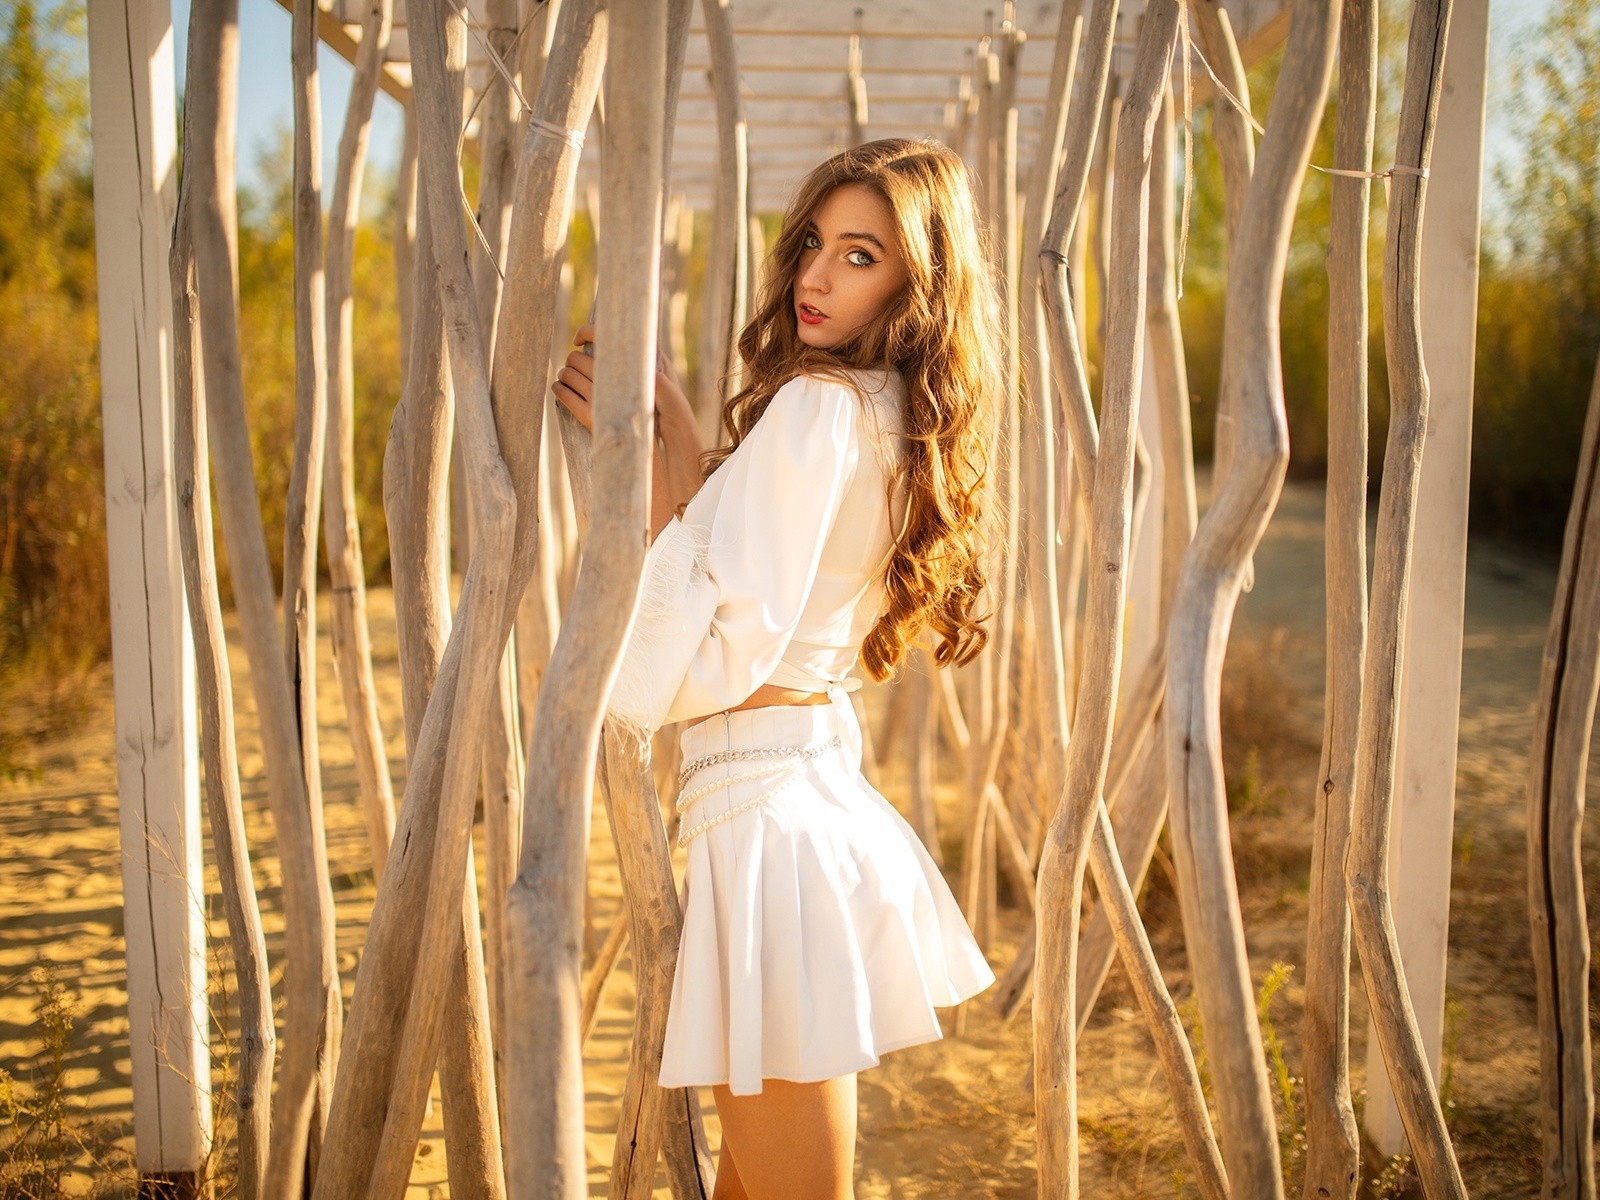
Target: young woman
{"x": 848, "y": 514}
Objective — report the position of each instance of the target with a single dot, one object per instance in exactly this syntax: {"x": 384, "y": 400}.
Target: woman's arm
{"x": 675, "y": 466}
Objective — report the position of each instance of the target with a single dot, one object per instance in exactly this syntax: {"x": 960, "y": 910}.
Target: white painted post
{"x": 1430, "y": 697}
{"x": 158, "y": 779}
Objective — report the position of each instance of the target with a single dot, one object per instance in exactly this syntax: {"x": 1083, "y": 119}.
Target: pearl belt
{"x": 791, "y": 758}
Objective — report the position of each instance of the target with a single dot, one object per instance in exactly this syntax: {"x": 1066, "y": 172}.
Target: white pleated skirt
{"x": 818, "y": 933}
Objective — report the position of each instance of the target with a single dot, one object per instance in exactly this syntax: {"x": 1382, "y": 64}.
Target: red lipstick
{"x": 811, "y": 316}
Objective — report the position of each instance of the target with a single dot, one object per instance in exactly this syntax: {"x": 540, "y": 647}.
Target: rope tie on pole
{"x": 1244, "y": 110}
{"x": 549, "y": 129}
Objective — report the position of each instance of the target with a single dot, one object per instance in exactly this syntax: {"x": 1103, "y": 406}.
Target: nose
{"x": 814, "y": 274}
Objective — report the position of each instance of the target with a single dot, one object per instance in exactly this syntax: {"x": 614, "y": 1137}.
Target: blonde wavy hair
{"x": 942, "y": 333}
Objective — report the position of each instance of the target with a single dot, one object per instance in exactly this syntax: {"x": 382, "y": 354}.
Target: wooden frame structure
{"x": 742, "y": 123}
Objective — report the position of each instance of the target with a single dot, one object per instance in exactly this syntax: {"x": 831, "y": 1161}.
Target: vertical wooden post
{"x": 1366, "y": 863}
{"x": 727, "y": 282}
{"x": 1422, "y": 823}
{"x": 158, "y": 781}
{"x": 1557, "y": 785}
{"x": 303, "y": 511}
{"x": 503, "y": 766}
{"x": 1041, "y": 485}
{"x": 544, "y": 912}
{"x": 1333, "y": 1144}
{"x": 855, "y": 88}
{"x": 1065, "y": 858}
{"x": 212, "y": 86}
{"x": 1208, "y": 589}
{"x": 351, "y": 637}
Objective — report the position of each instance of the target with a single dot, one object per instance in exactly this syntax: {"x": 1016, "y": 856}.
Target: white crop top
{"x": 775, "y": 572}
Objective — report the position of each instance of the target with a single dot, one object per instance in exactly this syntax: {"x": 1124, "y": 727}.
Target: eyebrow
{"x": 871, "y": 238}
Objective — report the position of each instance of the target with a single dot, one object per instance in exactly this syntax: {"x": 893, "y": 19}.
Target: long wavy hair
{"x": 942, "y": 333}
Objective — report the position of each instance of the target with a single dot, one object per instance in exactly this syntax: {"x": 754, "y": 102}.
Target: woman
{"x": 848, "y": 513}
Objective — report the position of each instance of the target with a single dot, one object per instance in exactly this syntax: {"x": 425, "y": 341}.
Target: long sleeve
{"x": 725, "y": 586}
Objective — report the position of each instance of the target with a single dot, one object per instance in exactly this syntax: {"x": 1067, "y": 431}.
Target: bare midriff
{"x": 769, "y": 694}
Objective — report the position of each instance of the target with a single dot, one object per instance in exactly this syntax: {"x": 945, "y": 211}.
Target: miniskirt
{"x": 818, "y": 933}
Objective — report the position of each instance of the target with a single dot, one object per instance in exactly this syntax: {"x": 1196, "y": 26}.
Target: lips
{"x": 810, "y": 315}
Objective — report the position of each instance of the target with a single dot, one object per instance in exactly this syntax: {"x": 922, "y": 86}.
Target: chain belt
{"x": 791, "y": 757}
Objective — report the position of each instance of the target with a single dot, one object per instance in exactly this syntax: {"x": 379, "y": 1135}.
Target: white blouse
{"x": 775, "y": 572}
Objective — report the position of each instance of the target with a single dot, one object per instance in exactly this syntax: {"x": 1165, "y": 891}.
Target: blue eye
{"x": 860, "y": 258}
{"x": 812, "y": 242}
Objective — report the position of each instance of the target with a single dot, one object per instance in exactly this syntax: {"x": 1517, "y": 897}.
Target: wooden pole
{"x": 545, "y": 910}
{"x": 479, "y": 629}
{"x": 1366, "y": 865}
{"x": 1556, "y": 796}
{"x": 1062, "y": 865}
{"x": 1333, "y": 1145}
{"x": 1235, "y": 141}
{"x": 415, "y": 474}
{"x": 1207, "y": 591}
{"x": 727, "y": 282}
{"x": 924, "y": 752}
{"x": 352, "y": 639}
{"x": 983, "y": 766}
{"x": 539, "y": 17}
{"x": 158, "y": 789}
{"x": 503, "y": 767}
{"x": 257, "y": 1041}
{"x": 855, "y": 88}
{"x": 310, "y": 985}
{"x": 299, "y": 598}
{"x": 1422, "y": 825}
{"x": 651, "y": 1119}
{"x": 405, "y": 241}
{"x": 1230, "y": 121}
{"x": 1059, "y": 296}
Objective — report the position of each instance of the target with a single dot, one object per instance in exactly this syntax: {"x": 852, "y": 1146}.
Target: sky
{"x": 266, "y": 102}
{"x": 266, "y": 97}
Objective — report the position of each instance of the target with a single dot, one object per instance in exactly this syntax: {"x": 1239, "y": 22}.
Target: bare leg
{"x": 795, "y": 1141}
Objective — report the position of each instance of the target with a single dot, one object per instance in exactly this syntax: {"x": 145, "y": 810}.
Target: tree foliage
{"x": 1539, "y": 305}
{"x": 52, "y": 504}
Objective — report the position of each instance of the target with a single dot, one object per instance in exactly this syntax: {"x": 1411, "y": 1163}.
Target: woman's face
{"x": 850, "y": 267}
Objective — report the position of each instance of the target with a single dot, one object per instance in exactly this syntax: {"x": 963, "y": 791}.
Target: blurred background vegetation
{"x": 1538, "y": 328}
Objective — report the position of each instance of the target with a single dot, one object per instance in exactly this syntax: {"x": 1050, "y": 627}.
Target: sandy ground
{"x": 950, "y": 1118}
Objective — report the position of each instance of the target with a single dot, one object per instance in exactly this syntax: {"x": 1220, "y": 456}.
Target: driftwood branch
{"x": 544, "y": 914}
{"x": 1366, "y": 866}
{"x": 352, "y": 640}
{"x": 1333, "y": 1143}
{"x": 1207, "y": 591}
{"x": 479, "y": 629}
{"x": 727, "y": 281}
{"x": 299, "y": 607}
{"x": 1062, "y": 865}
{"x": 1556, "y": 796}
{"x": 209, "y": 64}
{"x": 415, "y": 487}
{"x": 309, "y": 987}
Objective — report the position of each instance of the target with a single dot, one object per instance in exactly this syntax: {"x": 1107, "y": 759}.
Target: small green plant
{"x": 1391, "y": 1181}
{"x": 43, "y": 1131}
{"x": 1292, "y": 1129}
{"x": 1189, "y": 1016}
{"x": 1453, "y": 1013}
{"x": 1248, "y": 795}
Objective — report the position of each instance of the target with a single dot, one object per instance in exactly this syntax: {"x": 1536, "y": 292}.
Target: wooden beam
{"x": 336, "y": 35}
{"x": 132, "y": 103}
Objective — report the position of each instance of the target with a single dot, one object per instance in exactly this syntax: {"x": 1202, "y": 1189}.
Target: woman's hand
{"x": 574, "y": 384}
{"x": 574, "y": 388}
{"x": 676, "y": 474}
